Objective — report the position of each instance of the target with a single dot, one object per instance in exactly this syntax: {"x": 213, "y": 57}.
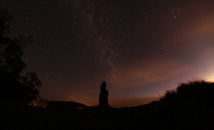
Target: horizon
{"x": 118, "y": 103}
{"x": 140, "y": 48}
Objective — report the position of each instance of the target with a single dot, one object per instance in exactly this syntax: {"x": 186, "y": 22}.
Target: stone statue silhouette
{"x": 103, "y": 98}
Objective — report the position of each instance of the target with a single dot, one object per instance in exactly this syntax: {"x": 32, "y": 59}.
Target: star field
{"x": 141, "y": 47}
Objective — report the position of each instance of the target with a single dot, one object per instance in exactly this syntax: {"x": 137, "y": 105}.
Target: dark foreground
{"x": 189, "y": 107}
{"x": 143, "y": 117}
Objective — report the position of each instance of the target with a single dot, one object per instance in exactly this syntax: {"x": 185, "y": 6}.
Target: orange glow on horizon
{"x": 210, "y": 80}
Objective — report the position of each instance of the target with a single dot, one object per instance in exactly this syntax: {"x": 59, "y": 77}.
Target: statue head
{"x": 103, "y": 85}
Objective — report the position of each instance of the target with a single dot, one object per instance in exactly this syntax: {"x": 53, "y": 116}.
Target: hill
{"x": 69, "y": 105}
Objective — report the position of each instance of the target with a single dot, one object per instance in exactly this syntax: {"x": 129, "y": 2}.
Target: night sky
{"x": 141, "y": 48}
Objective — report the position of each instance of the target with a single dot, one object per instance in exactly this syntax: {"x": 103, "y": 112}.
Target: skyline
{"x": 140, "y": 48}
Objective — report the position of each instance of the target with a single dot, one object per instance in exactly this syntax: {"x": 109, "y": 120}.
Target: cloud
{"x": 143, "y": 73}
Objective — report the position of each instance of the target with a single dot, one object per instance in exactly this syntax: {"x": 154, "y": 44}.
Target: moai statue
{"x": 103, "y": 98}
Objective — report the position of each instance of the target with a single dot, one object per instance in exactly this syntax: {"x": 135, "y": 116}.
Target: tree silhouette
{"x": 5, "y": 17}
{"x": 13, "y": 85}
{"x": 31, "y": 83}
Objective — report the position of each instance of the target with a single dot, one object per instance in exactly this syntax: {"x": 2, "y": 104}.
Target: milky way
{"x": 141, "y": 48}
{"x": 107, "y": 54}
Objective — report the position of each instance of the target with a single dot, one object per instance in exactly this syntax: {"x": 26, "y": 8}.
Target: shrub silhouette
{"x": 196, "y": 93}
